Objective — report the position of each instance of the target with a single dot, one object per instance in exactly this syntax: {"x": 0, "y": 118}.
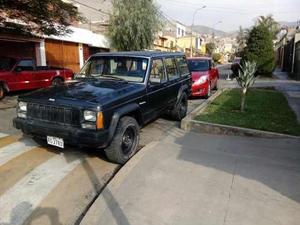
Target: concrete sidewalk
{"x": 291, "y": 91}
{"x": 188, "y": 179}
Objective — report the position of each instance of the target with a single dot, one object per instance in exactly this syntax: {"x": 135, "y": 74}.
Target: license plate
{"x": 55, "y": 141}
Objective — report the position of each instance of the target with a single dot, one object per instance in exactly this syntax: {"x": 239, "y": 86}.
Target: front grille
{"x": 53, "y": 113}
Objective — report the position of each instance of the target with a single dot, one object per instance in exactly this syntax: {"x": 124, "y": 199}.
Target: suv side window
{"x": 157, "y": 74}
{"x": 182, "y": 66}
{"x": 171, "y": 68}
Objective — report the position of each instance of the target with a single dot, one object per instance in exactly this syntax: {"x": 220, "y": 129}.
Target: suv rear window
{"x": 182, "y": 66}
{"x": 157, "y": 74}
{"x": 171, "y": 68}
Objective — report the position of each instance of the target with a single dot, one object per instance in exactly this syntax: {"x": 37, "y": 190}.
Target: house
{"x": 184, "y": 44}
{"x": 288, "y": 52}
{"x": 69, "y": 51}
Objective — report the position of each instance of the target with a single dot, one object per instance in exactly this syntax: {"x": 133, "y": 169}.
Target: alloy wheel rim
{"x": 128, "y": 140}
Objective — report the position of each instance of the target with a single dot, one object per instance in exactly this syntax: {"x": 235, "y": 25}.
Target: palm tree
{"x": 268, "y": 21}
{"x": 246, "y": 79}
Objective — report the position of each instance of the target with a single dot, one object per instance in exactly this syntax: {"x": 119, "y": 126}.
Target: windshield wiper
{"x": 113, "y": 77}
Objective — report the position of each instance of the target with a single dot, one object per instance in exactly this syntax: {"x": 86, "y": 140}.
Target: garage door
{"x": 62, "y": 54}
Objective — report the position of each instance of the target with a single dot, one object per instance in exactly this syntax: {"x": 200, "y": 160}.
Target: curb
{"x": 185, "y": 122}
{"x": 212, "y": 128}
{"x": 189, "y": 124}
{"x": 106, "y": 197}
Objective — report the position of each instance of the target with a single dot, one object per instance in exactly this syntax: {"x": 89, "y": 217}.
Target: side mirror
{"x": 18, "y": 69}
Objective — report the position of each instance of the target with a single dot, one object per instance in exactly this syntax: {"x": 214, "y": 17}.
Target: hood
{"x": 100, "y": 92}
{"x": 197, "y": 74}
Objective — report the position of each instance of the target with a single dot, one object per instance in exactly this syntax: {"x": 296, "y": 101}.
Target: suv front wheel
{"x": 125, "y": 142}
{"x": 180, "y": 109}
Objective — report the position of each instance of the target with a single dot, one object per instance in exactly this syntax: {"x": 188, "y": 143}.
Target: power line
{"x": 90, "y": 7}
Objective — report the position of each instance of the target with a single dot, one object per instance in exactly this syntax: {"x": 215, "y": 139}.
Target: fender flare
{"x": 117, "y": 115}
{"x": 59, "y": 77}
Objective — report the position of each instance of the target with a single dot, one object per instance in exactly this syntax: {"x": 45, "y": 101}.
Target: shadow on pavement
{"x": 272, "y": 162}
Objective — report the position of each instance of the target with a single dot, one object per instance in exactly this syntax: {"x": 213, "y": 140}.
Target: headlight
{"x": 22, "y": 106}
{"x": 90, "y": 116}
{"x": 201, "y": 80}
{"x": 22, "y": 110}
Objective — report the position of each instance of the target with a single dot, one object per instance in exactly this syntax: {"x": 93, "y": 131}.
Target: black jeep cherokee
{"x": 112, "y": 97}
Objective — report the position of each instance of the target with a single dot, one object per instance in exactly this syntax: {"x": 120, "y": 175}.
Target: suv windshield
{"x": 198, "y": 65}
{"x": 7, "y": 63}
{"x": 130, "y": 69}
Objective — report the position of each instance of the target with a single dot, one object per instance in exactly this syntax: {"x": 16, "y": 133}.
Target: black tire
{"x": 180, "y": 110}
{"x": 125, "y": 142}
{"x": 2, "y": 92}
{"x": 57, "y": 82}
{"x": 208, "y": 91}
{"x": 216, "y": 86}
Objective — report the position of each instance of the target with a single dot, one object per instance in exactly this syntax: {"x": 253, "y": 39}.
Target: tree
{"x": 50, "y": 17}
{"x": 216, "y": 57}
{"x": 133, "y": 24}
{"x": 270, "y": 23}
{"x": 246, "y": 79}
{"x": 260, "y": 49}
{"x": 210, "y": 47}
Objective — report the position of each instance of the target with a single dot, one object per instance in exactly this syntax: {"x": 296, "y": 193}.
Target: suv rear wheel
{"x": 125, "y": 142}
{"x": 180, "y": 110}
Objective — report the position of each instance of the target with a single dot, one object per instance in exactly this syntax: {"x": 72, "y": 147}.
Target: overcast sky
{"x": 232, "y": 13}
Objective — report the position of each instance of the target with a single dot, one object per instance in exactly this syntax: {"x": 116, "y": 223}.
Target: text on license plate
{"x": 55, "y": 141}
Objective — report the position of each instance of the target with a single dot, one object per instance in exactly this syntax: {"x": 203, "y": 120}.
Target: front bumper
{"x": 200, "y": 89}
{"x": 71, "y": 135}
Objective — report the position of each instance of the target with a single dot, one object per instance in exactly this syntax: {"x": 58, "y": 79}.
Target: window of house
{"x": 171, "y": 68}
{"x": 178, "y": 31}
{"x": 157, "y": 74}
{"x": 182, "y": 66}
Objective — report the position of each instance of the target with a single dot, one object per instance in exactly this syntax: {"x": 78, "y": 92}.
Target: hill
{"x": 208, "y": 30}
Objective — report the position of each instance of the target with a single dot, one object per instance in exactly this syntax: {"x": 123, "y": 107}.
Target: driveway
{"x": 188, "y": 178}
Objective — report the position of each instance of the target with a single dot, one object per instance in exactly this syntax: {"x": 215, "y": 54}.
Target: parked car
{"x": 23, "y": 74}
{"x": 113, "y": 96}
{"x": 204, "y": 75}
{"x": 236, "y": 66}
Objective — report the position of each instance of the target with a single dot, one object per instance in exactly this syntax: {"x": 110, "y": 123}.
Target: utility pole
{"x": 191, "y": 44}
{"x": 214, "y": 25}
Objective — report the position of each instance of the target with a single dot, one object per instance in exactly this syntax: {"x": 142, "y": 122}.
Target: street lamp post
{"x": 191, "y": 46}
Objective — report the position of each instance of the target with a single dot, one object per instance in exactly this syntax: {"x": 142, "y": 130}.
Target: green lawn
{"x": 265, "y": 110}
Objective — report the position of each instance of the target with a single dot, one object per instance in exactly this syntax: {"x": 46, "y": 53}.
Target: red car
{"x": 23, "y": 74}
{"x": 204, "y": 75}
